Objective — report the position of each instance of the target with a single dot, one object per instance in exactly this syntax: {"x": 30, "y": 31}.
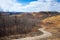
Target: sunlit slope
{"x": 53, "y": 21}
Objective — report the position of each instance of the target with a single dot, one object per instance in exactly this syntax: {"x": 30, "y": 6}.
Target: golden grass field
{"x": 52, "y": 24}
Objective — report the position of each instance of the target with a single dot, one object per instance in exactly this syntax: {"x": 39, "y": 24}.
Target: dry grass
{"x": 52, "y": 24}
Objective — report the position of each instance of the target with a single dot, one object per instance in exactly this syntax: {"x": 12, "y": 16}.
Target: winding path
{"x": 45, "y": 34}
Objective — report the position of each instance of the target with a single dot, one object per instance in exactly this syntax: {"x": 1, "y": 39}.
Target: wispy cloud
{"x": 35, "y": 6}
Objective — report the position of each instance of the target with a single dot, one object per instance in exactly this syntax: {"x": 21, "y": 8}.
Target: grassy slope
{"x": 52, "y": 24}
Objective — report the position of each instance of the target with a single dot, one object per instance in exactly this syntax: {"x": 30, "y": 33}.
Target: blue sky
{"x": 27, "y": 1}
{"x": 29, "y": 5}
{"x": 24, "y": 2}
{"x": 58, "y": 0}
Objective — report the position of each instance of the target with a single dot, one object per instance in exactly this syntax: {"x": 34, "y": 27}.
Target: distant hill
{"x": 43, "y": 12}
{"x": 22, "y": 22}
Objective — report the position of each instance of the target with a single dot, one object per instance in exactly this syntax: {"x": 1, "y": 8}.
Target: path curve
{"x": 45, "y": 34}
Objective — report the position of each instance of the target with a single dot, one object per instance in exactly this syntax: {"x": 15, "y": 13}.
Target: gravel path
{"x": 45, "y": 34}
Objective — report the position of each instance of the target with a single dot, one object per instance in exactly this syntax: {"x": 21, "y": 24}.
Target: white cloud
{"x": 50, "y": 0}
{"x": 55, "y": 6}
{"x": 35, "y": 6}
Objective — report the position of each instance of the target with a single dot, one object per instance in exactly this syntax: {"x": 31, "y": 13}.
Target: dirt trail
{"x": 46, "y": 34}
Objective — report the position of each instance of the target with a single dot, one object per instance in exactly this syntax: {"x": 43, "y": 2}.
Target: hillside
{"x": 21, "y": 25}
{"x": 52, "y": 24}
